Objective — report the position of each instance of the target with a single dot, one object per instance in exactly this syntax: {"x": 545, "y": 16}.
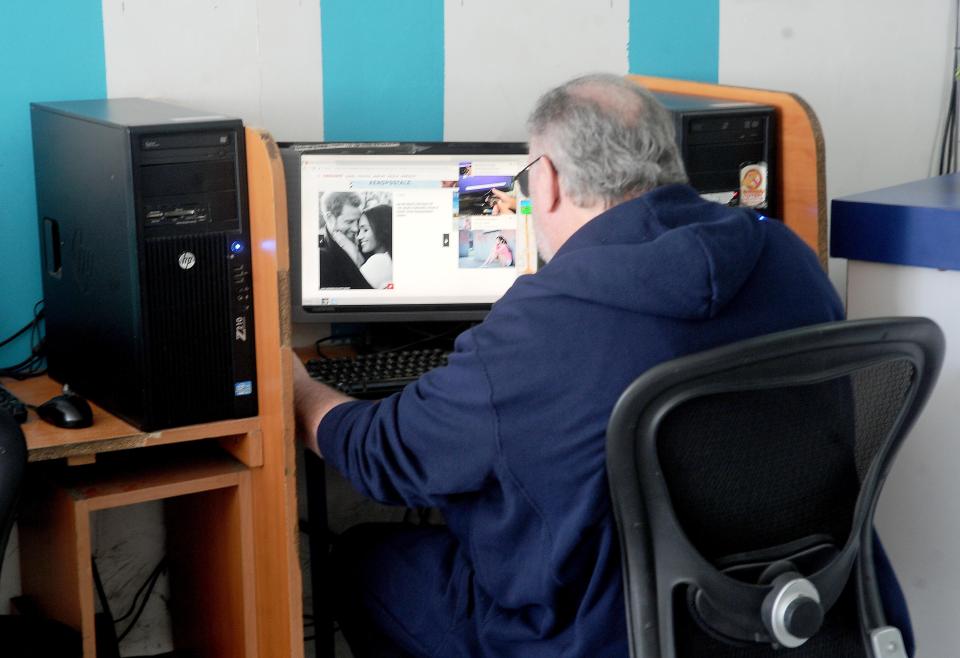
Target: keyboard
{"x": 11, "y": 405}
{"x": 377, "y": 374}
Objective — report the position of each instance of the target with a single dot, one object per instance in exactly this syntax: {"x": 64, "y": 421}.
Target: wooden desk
{"x": 241, "y": 437}
{"x": 228, "y": 487}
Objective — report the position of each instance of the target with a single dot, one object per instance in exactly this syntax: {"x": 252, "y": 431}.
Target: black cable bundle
{"x": 138, "y": 603}
{"x": 948, "y": 161}
{"x": 145, "y": 590}
{"x": 35, "y": 364}
{"x": 948, "y": 145}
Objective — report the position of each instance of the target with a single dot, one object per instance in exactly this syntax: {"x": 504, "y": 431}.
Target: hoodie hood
{"x": 670, "y": 252}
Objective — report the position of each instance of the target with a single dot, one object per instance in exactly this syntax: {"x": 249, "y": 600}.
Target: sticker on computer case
{"x": 753, "y": 185}
{"x": 243, "y": 388}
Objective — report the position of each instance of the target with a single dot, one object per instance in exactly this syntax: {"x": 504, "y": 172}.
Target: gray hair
{"x": 609, "y": 139}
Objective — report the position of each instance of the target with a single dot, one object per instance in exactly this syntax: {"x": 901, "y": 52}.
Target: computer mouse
{"x": 67, "y": 410}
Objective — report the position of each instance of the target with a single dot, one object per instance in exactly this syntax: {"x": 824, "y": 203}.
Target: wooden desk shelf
{"x": 241, "y": 437}
{"x": 209, "y": 522}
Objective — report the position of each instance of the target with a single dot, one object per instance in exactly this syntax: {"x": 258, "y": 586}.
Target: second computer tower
{"x": 146, "y": 267}
{"x": 719, "y": 139}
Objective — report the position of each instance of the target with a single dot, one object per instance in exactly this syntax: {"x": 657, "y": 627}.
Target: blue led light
{"x": 761, "y": 218}
{"x": 236, "y": 246}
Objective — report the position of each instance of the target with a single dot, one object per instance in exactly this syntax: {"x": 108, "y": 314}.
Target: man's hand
{"x": 505, "y": 204}
{"x": 311, "y": 401}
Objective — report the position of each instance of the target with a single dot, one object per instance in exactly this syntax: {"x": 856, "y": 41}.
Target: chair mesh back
{"x": 13, "y": 462}
{"x": 880, "y": 394}
{"x": 755, "y": 469}
{"x": 759, "y": 468}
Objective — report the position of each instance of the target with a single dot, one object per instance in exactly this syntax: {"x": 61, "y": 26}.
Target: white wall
{"x": 256, "y": 59}
{"x": 919, "y": 513}
{"x": 876, "y": 72}
{"x": 493, "y": 75}
{"x": 261, "y": 60}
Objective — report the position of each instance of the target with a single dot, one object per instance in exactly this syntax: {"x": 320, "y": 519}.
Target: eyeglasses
{"x": 520, "y": 178}
{"x": 523, "y": 175}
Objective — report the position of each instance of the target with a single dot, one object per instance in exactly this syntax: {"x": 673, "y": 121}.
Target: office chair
{"x": 744, "y": 481}
{"x": 13, "y": 464}
{"x": 27, "y": 635}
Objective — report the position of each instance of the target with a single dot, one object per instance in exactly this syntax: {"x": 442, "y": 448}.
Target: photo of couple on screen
{"x": 356, "y": 240}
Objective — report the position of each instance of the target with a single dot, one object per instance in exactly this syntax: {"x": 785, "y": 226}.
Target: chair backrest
{"x": 744, "y": 481}
{"x": 13, "y": 463}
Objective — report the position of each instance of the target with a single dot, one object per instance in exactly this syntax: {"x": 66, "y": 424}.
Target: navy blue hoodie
{"x": 508, "y": 439}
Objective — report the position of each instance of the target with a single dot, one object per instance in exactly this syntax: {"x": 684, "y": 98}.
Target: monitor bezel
{"x": 291, "y": 154}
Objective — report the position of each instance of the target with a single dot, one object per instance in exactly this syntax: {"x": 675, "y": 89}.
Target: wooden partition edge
{"x": 800, "y": 153}
{"x": 51, "y": 565}
{"x": 276, "y": 547}
{"x": 85, "y": 585}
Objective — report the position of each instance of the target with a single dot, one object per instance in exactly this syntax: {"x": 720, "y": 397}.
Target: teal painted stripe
{"x": 678, "y": 39}
{"x": 382, "y": 69}
{"x": 50, "y": 50}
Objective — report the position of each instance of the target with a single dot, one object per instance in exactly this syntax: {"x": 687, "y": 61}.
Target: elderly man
{"x": 508, "y": 439}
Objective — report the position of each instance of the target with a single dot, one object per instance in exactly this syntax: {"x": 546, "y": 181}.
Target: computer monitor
{"x": 404, "y": 231}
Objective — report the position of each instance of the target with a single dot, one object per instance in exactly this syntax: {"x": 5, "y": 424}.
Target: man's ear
{"x": 550, "y": 180}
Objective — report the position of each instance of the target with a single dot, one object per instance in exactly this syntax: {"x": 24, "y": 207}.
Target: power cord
{"x": 33, "y": 365}
{"x": 146, "y": 590}
{"x": 137, "y": 605}
{"x": 948, "y": 145}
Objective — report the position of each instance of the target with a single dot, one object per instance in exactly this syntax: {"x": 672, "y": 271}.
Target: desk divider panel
{"x": 276, "y": 528}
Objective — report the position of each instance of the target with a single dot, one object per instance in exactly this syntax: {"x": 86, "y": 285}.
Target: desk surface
{"x": 109, "y": 433}
{"x": 912, "y": 224}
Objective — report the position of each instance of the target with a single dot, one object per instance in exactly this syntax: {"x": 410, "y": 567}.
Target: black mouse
{"x": 67, "y": 410}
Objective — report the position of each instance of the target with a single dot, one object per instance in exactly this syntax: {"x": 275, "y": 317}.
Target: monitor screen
{"x": 405, "y": 231}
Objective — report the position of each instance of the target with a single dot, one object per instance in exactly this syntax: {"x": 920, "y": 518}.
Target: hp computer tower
{"x": 728, "y": 147}
{"x": 145, "y": 248}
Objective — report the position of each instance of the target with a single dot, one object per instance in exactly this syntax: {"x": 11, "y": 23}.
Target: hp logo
{"x": 187, "y": 260}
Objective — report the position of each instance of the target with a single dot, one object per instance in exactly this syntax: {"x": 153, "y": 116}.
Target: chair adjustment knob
{"x": 803, "y": 617}
{"x": 791, "y": 610}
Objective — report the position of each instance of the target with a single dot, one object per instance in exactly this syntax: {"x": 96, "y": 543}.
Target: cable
{"x": 151, "y": 583}
{"x": 101, "y": 593}
{"x": 19, "y": 333}
{"x": 428, "y": 337}
{"x": 37, "y": 316}
{"x": 33, "y": 365}
{"x": 133, "y": 603}
{"x": 947, "y": 163}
